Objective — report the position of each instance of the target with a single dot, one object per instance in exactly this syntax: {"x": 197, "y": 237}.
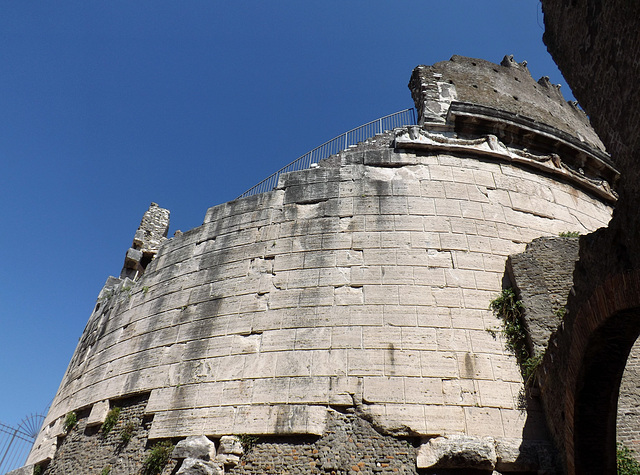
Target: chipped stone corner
{"x": 150, "y": 235}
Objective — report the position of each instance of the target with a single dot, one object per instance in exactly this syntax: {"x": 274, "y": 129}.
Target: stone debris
{"x": 195, "y": 447}
{"x": 458, "y": 451}
{"x": 192, "y": 466}
{"x": 230, "y": 444}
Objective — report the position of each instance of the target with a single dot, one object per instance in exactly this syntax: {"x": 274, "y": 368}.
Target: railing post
{"x": 8, "y": 447}
{"x": 380, "y": 125}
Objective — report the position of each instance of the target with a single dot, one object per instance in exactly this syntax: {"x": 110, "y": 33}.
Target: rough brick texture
{"x": 87, "y": 450}
{"x": 596, "y": 45}
{"x": 350, "y": 445}
{"x": 543, "y": 277}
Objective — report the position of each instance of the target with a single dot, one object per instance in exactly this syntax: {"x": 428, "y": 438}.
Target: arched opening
{"x": 597, "y": 390}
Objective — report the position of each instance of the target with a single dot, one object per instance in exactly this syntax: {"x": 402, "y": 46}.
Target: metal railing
{"x": 336, "y": 145}
{"x": 16, "y": 442}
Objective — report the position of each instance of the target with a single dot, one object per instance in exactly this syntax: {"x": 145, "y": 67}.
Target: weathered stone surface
{"x": 516, "y": 455}
{"x": 195, "y": 447}
{"x": 458, "y": 451}
{"x": 230, "y": 444}
{"x": 194, "y": 466}
{"x": 98, "y": 413}
{"x": 542, "y": 277}
{"x": 26, "y": 470}
{"x": 362, "y": 284}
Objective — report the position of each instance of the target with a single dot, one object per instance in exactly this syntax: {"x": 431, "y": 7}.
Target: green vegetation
{"x": 247, "y": 441}
{"x": 145, "y": 289}
{"x": 110, "y": 421}
{"x": 572, "y": 234}
{"x": 627, "y": 465}
{"x": 158, "y": 458}
{"x": 106, "y": 470}
{"x": 127, "y": 433}
{"x": 510, "y": 310}
{"x": 38, "y": 470}
{"x": 70, "y": 421}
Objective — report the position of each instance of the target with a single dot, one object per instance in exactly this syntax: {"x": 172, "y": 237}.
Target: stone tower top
{"x": 506, "y": 87}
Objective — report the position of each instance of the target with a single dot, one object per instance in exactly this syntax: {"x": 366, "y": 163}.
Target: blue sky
{"x": 106, "y": 106}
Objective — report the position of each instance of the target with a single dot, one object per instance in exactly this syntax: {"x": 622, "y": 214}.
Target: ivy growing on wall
{"x": 510, "y": 310}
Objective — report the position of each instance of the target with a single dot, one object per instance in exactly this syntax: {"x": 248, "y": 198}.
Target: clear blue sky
{"x": 106, "y": 106}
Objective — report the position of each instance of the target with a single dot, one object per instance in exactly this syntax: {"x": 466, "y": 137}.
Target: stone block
{"x": 365, "y": 363}
{"x": 447, "y": 208}
{"x": 448, "y": 297}
{"x": 377, "y": 222}
{"x": 396, "y": 240}
{"x": 400, "y": 315}
{"x": 381, "y": 337}
{"x": 418, "y": 339}
{"x": 458, "y": 452}
{"x": 348, "y": 295}
{"x": 421, "y": 206}
{"x": 442, "y": 364}
{"x": 230, "y": 444}
{"x": 329, "y": 363}
{"x": 496, "y": 394}
{"x": 444, "y": 419}
{"x": 475, "y": 366}
{"x": 459, "y": 392}
{"x": 401, "y": 362}
{"x": 383, "y": 390}
{"x": 309, "y": 390}
{"x": 484, "y": 421}
{"x": 194, "y": 447}
{"x": 423, "y": 390}
{"x": 132, "y": 258}
{"x": 464, "y": 225}
{"x": 98, "y": 413}
{"x": 365, "y": 315}
{"x": 292, "y": 363}
{"x": 381, "y": 294}
{"x": 397, "y": 275}
{"x": 366, "y": 205}
{"x": 452, "y": 339}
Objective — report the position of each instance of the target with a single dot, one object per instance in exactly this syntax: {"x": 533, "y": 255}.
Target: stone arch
{"x": 598, "y": 340}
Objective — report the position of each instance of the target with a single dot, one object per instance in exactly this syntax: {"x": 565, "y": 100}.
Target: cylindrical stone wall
{"x": 362, "y": 283}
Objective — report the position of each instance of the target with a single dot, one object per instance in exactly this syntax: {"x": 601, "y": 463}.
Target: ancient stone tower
{"x": 342, "y": 318}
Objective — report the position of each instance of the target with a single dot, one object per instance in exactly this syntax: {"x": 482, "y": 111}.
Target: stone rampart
{"x": 362, "y": 284}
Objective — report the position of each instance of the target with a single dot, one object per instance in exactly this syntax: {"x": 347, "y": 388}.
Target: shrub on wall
{"x": 158, "y": 458}
{"x": 110, "y": 421}
{"x": 627, "y": 465}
